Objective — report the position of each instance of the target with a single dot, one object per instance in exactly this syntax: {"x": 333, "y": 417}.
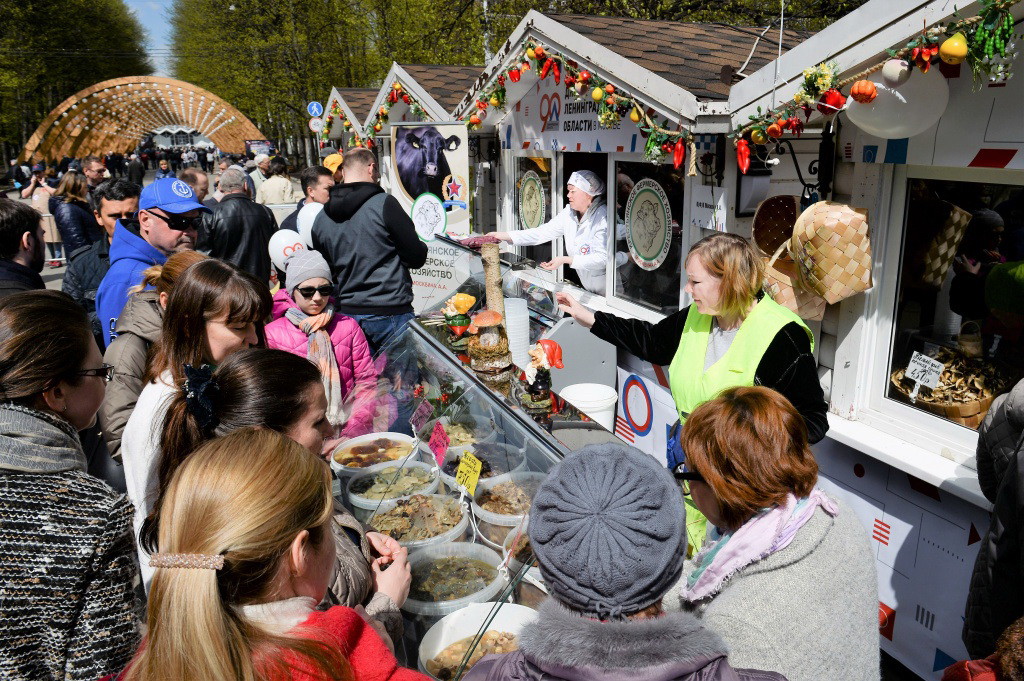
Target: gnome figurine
{"x": 545, "y": 355}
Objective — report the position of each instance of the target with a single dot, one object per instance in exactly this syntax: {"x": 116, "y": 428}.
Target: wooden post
{"x": 492, "y": 279}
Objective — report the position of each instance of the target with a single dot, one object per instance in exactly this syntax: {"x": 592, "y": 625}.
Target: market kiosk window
{"x": 648, "y": 237}
{"x": 533, "y": 202}
{"x": 959, "y": 308}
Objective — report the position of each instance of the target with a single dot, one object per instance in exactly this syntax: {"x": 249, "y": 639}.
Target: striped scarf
{"x": 320, "y": 352}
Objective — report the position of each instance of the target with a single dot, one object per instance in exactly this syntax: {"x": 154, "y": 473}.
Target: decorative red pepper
{"x": 514, "y": 75}
{"x": 547, "y": 68}
{"x": 743, "y": 156}
{"x": 393, "y": 96}
{"x": 555, "y": 71}
{"x": 678, "y": 153}
{"x": 407, "y": 99}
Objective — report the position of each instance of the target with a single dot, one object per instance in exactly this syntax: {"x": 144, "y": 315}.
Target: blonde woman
{"x": 732, "y": 335}
{"x": 246, "y": 555}
{"x": 71, "y": 212}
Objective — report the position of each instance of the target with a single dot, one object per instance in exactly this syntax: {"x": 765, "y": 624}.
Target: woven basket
{"x": 781, "y": 282}
{"x": 943, "y": 249}
{"x": 833, "y": 250}
{"x": 773, "y": 224}
{"x": 968, "y": 414}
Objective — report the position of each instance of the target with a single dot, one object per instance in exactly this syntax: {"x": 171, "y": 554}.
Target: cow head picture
{"x": 420, "y": 159}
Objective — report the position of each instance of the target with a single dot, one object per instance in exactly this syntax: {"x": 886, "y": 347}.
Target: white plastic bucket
{"x": 363, "y": 508}
{"x": 504, "y": 458}
{"x": 593, "y": 399}
{"x": 348, "y": 471}
{"x": 455, "y": 550}
{"x": 453, "y": 628}
{"x": 494, "y": 527}
{"x": 454, "y": 534}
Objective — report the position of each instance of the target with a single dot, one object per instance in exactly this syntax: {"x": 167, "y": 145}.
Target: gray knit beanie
{"x": 608, "y": 529}
{"x": 304, "y": 265}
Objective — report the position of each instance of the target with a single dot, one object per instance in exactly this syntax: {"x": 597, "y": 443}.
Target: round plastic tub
{"x": 453, "y": 628}
{"x": 454, "y": 534}
{"x": 363, "y": 507}
{"x": 494, "y": 527}
{"x": 482, "y": 430}
{"x": 593, "y": 399}
{"x": 348, "y": 471}
{"x": 505, "y": 459}
{"x": 456, "y": 550}
{"x": 526, "y": 593}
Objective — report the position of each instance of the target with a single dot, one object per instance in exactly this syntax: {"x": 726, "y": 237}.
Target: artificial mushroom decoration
{"x": 487, "y": 322}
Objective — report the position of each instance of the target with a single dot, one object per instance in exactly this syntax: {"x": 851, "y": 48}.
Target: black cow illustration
{"x": 419, "y": 157}
{"x": 646, "y": 225}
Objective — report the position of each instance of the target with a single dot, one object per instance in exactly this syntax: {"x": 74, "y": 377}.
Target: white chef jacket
{"x": 584, "y": 241}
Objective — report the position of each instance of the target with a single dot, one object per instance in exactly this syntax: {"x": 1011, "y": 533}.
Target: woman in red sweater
{"x": 246, "y": 557}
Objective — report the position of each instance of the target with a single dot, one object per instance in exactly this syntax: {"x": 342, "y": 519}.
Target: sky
{"x": 153, "y": 16}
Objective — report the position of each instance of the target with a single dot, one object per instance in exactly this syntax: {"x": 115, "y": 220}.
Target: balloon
{"x": 903, "y": 111}
{"x": 283, "y": 243}
{"x": 306, "y": 218}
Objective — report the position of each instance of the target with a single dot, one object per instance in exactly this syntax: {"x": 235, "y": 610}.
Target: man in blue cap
{"x": 167, "y": 222}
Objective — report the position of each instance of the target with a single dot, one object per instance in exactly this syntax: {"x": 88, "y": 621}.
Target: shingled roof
{"x": 446, "y": 84}
{"x": 359, "y": 100}
{"x": 688, "y": 55}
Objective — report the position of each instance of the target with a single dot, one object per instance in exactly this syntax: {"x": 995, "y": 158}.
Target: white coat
{"x": 584, "y": 241}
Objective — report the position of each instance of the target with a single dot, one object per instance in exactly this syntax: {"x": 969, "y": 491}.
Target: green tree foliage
{"x": 51, "y": 50}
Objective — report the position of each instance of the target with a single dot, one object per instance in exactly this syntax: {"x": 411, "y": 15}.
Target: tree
{"x": 48, "y": 52}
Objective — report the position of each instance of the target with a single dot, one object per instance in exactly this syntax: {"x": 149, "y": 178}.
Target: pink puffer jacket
{"x": 282, "y": 301}
{"x": 355, "y": 364}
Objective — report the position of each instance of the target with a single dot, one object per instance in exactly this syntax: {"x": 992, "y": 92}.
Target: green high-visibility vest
{"x": 692, "y": 386}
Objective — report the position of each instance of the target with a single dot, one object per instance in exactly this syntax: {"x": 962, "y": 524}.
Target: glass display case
{"x": 469, "y": 553}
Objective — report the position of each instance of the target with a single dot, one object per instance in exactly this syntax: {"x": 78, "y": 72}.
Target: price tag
{"x": 923, "y": 370}
{"x": 468, "y": 473}
{"x": 439, "y": 442}
{"x": 420, "y": 417}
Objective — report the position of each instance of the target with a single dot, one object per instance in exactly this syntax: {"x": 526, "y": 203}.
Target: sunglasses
{"x": 106, "y": 371}
{"x": 178, "y": 223}
{"x": 686, "y": 475}
{"x": 308, "y": 291}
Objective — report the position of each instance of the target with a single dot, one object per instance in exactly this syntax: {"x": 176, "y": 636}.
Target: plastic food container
{"x": 364, "y": 507}
{"x": 494, "y": 527}
{"x": 503, "y": 459}
{"x": 467, "y": 622}
{"x": 480, "y": 428}
{"x": 455, "y": 550}
{"x": 348, "y": 471}
{"x": 454, "y": 534}
{"x": 527, "y": 593}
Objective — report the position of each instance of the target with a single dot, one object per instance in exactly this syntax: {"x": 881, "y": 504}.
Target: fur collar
{"x": 563, "y": 638}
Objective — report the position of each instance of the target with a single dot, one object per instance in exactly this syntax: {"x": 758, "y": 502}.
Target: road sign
{"x": 315, "y": 109}
{"x": 316, "y": 124}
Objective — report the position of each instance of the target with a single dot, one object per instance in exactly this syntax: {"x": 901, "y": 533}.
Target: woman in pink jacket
{"x": 334, "y": 342}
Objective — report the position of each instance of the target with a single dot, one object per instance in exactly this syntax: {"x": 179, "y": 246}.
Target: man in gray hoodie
{"x": 371, "y": 244}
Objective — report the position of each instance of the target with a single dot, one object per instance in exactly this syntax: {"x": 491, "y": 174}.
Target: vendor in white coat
{"x": 583, "y": 223}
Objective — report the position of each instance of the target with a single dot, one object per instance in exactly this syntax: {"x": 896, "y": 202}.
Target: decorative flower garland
{"x": 580, "y": 83}
{"x": 397, "y": 94}
{"x": 325, "y": 134}
{"x": 984, "y": 41}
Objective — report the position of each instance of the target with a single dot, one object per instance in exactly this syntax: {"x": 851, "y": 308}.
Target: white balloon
{"x": 903, "y": 111}
{"x": 283, "y": 243}
{"x": 306, "y": 218}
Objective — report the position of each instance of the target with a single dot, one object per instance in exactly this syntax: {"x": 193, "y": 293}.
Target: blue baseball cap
{"x": 171, "y": 196}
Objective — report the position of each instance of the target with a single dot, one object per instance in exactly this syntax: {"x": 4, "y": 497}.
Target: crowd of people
{"x": 164, "y": 423}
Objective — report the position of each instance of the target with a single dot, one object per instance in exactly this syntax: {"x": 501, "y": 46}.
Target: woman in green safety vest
{"x": 732, "y": 335}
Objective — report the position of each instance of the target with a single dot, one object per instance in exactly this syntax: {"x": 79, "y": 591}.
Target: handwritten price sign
{"x": 468, "y": 473}
{"x": 420, "y": 417}
{"x": 439, "y": 442}
{"x": 923, "y": 370}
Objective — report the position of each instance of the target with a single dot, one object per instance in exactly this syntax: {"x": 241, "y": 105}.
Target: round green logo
{"x": 531, "y": 200}
{"x": 428, "y": 216}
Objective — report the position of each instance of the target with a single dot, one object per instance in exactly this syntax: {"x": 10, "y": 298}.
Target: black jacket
{"x": 15, "y": 277}
{"x": 76, "y": 224}
{"x": 371, "y": 244}
{"x": 86, "y": 268}
{"x": 239, "y": 230}
{"x": 787, "y": 365}
{"x": 136, "y": 172}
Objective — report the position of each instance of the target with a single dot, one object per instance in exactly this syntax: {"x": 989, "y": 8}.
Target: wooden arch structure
{"x": 116, "y": 114}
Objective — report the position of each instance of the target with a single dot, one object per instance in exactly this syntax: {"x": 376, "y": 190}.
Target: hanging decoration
{"x": 337, "y": 112}
{"x": 380, "y": 118}
{"x": 987, "y": 42}
{"x": 614, "y": 104}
